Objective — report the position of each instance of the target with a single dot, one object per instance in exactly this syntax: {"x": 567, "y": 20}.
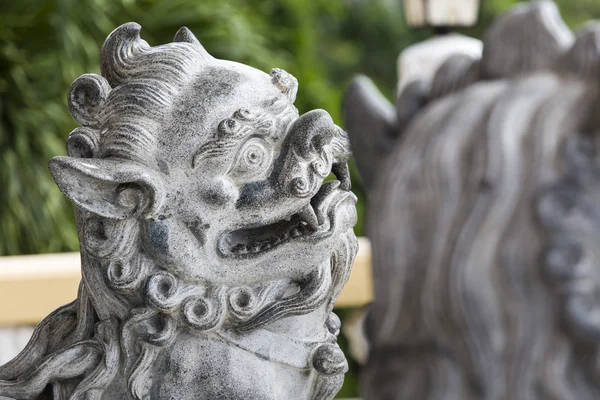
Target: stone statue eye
{"x": 228, "y": 127}
{"x": 252, "y": 160}
{"x": 244, "y": 114}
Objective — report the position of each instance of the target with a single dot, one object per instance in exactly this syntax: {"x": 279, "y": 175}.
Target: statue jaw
{"x": 250, "y": 329}
{"x": 296, "y": 353}
{"x": 313, "y": 222}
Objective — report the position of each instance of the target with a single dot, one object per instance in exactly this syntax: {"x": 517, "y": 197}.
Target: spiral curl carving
{"x": 86, "y": 98}
{"x": 82, "y": 143}
{"x": 205, "y": 313}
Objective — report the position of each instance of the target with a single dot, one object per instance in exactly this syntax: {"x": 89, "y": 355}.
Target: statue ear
{"x": 109, "y": 188}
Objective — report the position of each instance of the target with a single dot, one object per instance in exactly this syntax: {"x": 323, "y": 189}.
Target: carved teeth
{"x": 237, "y": 248}
{"x": 319, "y": 201}
{"x": 308, "y": 215}
{"x": 304, "y": 222}
{"x": 304, "y": 228}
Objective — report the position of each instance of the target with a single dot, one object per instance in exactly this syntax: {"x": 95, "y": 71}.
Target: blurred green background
{"x": 46, "y": 44}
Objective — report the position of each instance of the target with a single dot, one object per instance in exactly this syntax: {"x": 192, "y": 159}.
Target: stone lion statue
{"x": 212, "y": 252}
{"x": 484, "y": 193}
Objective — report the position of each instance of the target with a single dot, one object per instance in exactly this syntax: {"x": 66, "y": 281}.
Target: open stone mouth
{"x": 315, "y": 219}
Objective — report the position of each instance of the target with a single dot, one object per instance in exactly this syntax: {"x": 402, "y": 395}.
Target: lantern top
{"x": 441, "y": 13}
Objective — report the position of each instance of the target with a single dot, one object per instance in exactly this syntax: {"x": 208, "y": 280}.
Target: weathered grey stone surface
{"x": 483, "y": 217}
{"x": 212, "y": 251}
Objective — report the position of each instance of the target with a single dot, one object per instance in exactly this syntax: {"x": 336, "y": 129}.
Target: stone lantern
{"x": 420, "y": 61}
{"x": 441, "y": 13}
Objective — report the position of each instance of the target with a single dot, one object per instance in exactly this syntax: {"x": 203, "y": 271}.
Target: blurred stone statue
{"x": 212, "y": 251}
{"x": 484, "y": 217}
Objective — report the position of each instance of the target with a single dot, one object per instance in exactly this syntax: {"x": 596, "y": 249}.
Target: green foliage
{"x": 45, "y": 45}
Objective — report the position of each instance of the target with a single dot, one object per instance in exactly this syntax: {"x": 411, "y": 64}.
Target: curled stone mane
{"x": 484, "y": 221}
{"x": 129, "y": 307}
{"x": 122, "y": 111}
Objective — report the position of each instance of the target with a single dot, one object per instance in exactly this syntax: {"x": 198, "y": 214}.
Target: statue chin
{"x": 202, "y": 364}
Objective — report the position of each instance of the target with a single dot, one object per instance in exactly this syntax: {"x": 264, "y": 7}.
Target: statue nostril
{"x": 299, "y": 187}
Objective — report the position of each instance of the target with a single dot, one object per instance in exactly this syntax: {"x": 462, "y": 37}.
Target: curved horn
{"x": 185, "y": 35}
{"x": 126, "y": 56}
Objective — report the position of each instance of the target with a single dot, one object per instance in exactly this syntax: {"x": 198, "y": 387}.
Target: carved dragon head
{"x": 202, "y": 214}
